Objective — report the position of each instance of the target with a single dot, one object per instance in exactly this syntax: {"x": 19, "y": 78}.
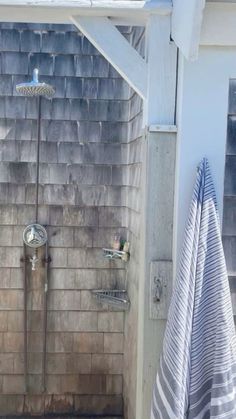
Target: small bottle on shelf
{"x": 125, "y": 256}
{"x": 116, "y": 242}
{"x": 126, "y": 247}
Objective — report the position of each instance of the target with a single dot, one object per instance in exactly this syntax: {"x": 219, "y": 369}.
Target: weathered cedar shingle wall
{"x": 229, "y": 214}
{"x": 134, "y": 197}
{"x": 83, "y": 192}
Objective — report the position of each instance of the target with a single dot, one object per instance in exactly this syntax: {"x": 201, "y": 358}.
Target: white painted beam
{"x": 69, "y": 3}
{"x": 116, "y": 49}
{"x": 160, "y": 6}
{"x": 186, "y": 26}
{"x": 219, "y": 24}
{"x": 127, "y": 12}
{"x": 61, "y": 15}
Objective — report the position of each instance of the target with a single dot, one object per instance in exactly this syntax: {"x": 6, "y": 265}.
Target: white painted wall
{"x": 202, "y": 124}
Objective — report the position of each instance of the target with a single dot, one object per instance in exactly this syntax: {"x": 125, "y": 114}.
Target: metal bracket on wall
{"x": 160, "y": 288}
{"x": 163, "y": 128}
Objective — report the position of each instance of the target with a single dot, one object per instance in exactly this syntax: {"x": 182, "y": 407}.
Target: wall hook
{"x": 158, "y": 290}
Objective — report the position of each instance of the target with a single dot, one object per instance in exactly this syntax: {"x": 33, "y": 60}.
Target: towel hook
{"x": 158, "y": 290}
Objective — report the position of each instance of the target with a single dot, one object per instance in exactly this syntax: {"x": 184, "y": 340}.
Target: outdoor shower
{"x": 35, "y": 235}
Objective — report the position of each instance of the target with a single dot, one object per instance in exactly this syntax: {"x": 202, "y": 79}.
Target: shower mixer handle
{"x": 33, "y": 261}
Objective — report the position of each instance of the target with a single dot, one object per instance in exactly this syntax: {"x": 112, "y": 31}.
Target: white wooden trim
{"x": 219, "y": 24}
{"x": 186, "y": 26}
{"x": 160, "y": 6}
{"x": 121, "y": 12}
{"x": 63, "y": 15}
{"x": 116, "y": 49}
{"x": 69, "y": 3}
{"x": 216, "y": 25}
{"x": 125, "y": 12}
{"x": 161, "y": 58}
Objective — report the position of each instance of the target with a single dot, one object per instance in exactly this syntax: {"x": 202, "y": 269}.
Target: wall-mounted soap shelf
{"x": 114, "y": 298}
{"x": 116, "y": 254}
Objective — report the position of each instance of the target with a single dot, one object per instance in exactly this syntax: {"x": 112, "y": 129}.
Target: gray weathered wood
{"x": 157, "y": 246}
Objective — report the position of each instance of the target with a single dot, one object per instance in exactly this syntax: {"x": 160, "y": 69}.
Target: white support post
{"x": 116, "y": 49}
{"x": 158, "y": 204}
{"x": 161, "y": 58}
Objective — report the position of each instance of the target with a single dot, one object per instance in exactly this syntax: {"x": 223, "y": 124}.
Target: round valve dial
{"x": 35, "y": 235}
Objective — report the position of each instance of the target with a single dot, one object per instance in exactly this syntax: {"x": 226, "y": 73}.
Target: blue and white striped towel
{"x": 197, "y": 374}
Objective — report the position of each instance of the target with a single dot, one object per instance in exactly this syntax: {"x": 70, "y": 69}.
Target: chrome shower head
{"x": 35, "y": 88}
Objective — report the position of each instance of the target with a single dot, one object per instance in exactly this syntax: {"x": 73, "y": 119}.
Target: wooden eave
{"x": 60, "y": 11}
